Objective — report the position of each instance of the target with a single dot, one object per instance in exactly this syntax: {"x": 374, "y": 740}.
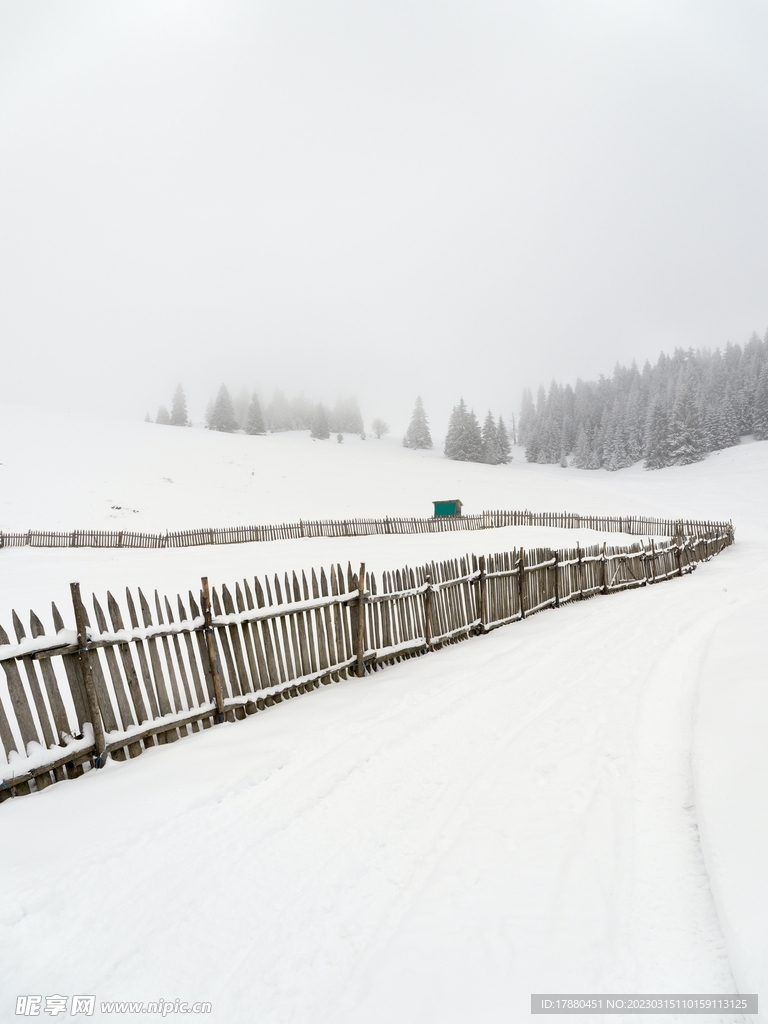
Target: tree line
{"x": 466, "y": 440}
{"x": 671, "y": 413}
{"x": 246, "y": 413}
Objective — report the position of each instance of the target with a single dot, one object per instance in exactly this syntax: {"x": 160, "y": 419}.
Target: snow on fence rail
{"x": 637, "y": 525}
{"x": 154, "y": 670}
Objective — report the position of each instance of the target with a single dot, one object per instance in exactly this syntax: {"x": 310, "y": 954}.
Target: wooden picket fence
{"x": 155, "y": 669}
{"x": 640, "y": 526}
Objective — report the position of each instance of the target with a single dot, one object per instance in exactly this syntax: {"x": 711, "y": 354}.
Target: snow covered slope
{"x": 573, "y": 803}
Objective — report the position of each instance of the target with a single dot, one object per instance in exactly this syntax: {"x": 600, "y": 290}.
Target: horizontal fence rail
{"x": 150, "y": 670}
{"x": 640, "y": 526}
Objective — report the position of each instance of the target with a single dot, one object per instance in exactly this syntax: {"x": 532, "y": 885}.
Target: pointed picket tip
{"x": 182, "y": 611}
{"x": 131, "y": 609}
{"x": 145, "y": 612}
{"x": 101, "y": 620}
{"x": 114, "y": 612}
{"x": 168, "y": 612}
{"x": 239, "y": 598}
{"x": 193, "y": 606}
{"x": 58, "y": 622}
{"x": 159, "y": 610}
{"x": 215, "y": 602}
{"x": 4, "y": 639}
{"x": 35, "y": 625}
{"x": 17, "y": 626}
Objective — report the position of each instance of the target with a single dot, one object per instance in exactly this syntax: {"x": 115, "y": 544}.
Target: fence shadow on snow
{"x": 156, "y": 669}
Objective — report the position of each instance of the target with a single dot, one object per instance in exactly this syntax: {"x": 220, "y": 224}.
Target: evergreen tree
{"x": 490, "y": 442}
{"x": 179, "y": 416}
{"x": 760, "y": 418}
{"x": 527, "y": 418}
{"x": 163, "y": 416}
{"x": 502, "y": 438}
{"x": 222, "y": 414}
{"x": 147, "y": 418}
{"x": 254, "y": 422}
{"x": 463, "y": 442}
{"x": 417, "y": 435}
{"x": 321, "y": 429}
{"x": 727, "y": 431}
{"x": 685, "y": 433}
{"x": 582, "y": 455}
{"x": 657, "y": 446}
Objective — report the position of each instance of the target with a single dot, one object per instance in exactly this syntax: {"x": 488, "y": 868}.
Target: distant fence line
{"x": 635, "y": 525}
{"x": 159, "y": 668}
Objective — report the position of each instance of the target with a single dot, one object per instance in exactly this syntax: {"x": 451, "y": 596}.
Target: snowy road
{"x": 433, "y": 843}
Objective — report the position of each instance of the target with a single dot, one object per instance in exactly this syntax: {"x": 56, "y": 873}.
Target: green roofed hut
{"x": 448, "y": 508}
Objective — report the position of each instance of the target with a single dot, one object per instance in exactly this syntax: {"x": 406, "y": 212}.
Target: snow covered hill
{"x": 573, "y": 803}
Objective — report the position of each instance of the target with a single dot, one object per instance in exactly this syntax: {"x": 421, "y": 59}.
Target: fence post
{"x": 557, "y": 582}
{"x": 483, "y": 594}
{"x": 605, "y": 572}
{"x": 209, "y": 643}
{"x": 521, "y": 581}
{"x": 428, "y": 611}
{"x": 84, "y": 661}
{"x": 580, "y": 569}
{"x": 360, "y": 638}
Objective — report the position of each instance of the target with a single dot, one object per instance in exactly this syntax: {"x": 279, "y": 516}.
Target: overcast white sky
{"x": 383, "y": 198}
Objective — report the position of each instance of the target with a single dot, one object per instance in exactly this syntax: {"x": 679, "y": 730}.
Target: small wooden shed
{"x": 448, "y": 508}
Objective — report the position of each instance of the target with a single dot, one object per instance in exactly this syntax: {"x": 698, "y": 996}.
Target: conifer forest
{"x": 672, "y": 413}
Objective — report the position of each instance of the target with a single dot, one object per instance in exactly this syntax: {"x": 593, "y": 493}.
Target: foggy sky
{"x": 378, "y": 198}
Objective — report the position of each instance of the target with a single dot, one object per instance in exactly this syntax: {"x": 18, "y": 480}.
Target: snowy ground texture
{"x": 572, "y": 803}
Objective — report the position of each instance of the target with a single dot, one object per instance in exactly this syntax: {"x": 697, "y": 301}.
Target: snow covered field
{"x": 572, "y": 803}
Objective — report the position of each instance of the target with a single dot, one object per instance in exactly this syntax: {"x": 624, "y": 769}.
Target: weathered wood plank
{"x": 161, "y": 690}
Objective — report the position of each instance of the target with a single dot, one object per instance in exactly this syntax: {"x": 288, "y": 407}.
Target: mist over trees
{"x": 320, "y": 427}
{"x": 672, "y": 413}
{"x": 248, "y": 413}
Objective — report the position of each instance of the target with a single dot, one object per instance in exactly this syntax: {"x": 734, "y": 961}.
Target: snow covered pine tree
{"x": 463, "y": 442}
{"x": 222, "y": 414}
{"x": 254, "y": 421}
{"x": 417, "y": 435}
{"x": 179, "y": 417}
